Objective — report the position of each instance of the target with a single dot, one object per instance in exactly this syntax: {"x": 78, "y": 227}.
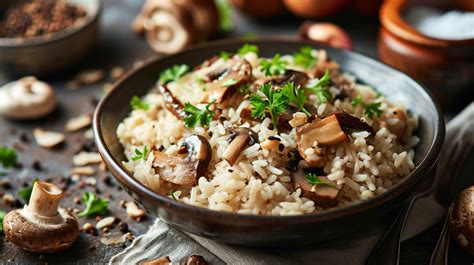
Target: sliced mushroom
{"x": 297, "y": 77}
{"x": 195, "y": 260}
{"x": 185, "y": 171}
{"x": 42, "y": 226}
{"x": 283, "y": 119}
{"x": 350, "y": 123}
{"x": 171, "y": 103}
{"x": 323, "y": 195}
{"x": 225, "y": 78}
{"x": 240, "y": 138}
{"x": 26, "y": 98}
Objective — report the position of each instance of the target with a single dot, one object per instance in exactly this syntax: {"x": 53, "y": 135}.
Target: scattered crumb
{"x": 105, "y": 222}
{"x": 77, "y": 123}
{"x": 84, "y": 171}
{"x": 86, "y": 77}
{"x": 86, "y": 158}
{"x": 8, "y": 199}
{"x": 114, "y": 240}
{"x": 47, "y": 139}
{"x": 87, "y": 227}
{"x": 91, "y": 181}
{"x": 89, "y": 134}
{"x": 133, "y": 211}
{"x": 117, "y": 72}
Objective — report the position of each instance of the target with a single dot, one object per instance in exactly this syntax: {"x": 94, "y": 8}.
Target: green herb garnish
{"x": 275, "y": 103}
{"x": 369, "y": 108}
{"x": 94, "y": 205}
{"x": 320, "y": 88}
{"x": 225, "y": 18}
{"x": 356, "y": 101}
{"x": 224, "y": 55}
{"x": 137, "y": 103}
{"x": 25, "y": 193}
{"x": 247, "y": 48}
{"x": 201, "y": 83}
{"x": 171, "y": 193}
{"x": 274, "y": 66}
{"x": 229, "y": 82}
{"x": 141, "y": 154}
{"x": 195, "y": 115}
{"x": 305, "y": 57}
{"x": 315, "y": 180}
{"x": 173, "y": 73}
{"x": 2, "y": 215}
{"x": 296, "y": 96}
{"x": 7, "y": 157}
{"x": 244, "y": 89}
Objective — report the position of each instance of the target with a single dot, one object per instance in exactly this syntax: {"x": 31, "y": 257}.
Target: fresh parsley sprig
{"x": 313, "y": 179}
{"x": 173, "y": 73}
{"x": 305, "y": 57}
{"x": 296, "y": 96}
{"x": 320, "y": 88}
{"x": 274, "y": 66}
{"x": 224, "y": 55}
{"x": 275, "y": 102}
{"x": 137, "y": 103}
{"x": 94, "y": 205}
{"x": 370, "y": 109}
{"x": 25, "y": 193}
{"x": 8, "y": 157}
{"x": 247, "y": 48}
{"x": 2, "y": 215}
{"x": 141, "y": 154}
{"x": 195, "y": 115}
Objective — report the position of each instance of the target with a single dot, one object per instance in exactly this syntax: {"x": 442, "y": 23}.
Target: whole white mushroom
{"x": 27, "y": 98}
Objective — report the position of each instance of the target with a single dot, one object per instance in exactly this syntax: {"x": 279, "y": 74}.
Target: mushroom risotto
{"x": 284, "y": 135}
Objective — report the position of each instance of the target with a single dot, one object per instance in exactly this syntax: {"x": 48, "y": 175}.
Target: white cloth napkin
{"x": 162, "y": 240}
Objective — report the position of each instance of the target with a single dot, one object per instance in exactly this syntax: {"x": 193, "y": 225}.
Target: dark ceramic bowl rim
{"x": 134, "y": 185}
{"x": 391, "y": 18}
{"x": 55, "y": 36}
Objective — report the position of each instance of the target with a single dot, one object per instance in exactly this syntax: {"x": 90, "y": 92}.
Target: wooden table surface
{"x": 118, "y": 46}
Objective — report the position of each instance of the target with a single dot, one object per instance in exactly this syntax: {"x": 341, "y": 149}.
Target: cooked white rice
{"x": 259, "y": 182}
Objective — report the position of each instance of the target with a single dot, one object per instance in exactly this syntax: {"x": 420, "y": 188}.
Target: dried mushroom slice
{"x": 171, "y": 102}
{"x": 324, "y": 194}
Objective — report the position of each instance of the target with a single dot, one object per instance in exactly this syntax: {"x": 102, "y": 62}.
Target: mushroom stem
{"x": 44, "y": 200}
{"x": 235, "y": 147}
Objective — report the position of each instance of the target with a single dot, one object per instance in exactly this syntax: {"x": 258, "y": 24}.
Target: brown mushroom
{"x": 195, "y": 260}
{"x": 350, "y": 123}
{"x": 184, "y": 171}
{"x": 461, "y": 220}
{"x": 205, "y": 16}
{"x": 159, "y": 261}
{"x": 324, "y": 194}
{"x": 171, "y": 103}
{"x": 327, "y": 33}
{"x": 225, "y": 78}
{"x": 240, "y": 138}
{"x": 42, "y": 226}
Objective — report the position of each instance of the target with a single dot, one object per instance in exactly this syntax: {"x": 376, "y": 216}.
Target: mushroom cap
{"x": 461, "y": 219}
{"x": 26, "y": 98}
{"x": 22, "y": 229}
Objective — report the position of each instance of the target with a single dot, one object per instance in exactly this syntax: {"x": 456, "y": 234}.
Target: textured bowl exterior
{"x": 53, "y": 52}
{"x": 272, "y": 230}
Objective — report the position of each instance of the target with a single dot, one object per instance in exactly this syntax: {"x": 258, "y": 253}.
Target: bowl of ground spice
{"x": 39, "y": 37}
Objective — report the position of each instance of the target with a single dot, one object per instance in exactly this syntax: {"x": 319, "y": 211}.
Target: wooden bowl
{"x": 262, "y": 230}
{"x": 50, "y": 52}
{"x": 446, "y": 67}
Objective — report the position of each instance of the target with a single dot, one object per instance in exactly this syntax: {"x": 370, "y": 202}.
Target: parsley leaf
{"x": 296, "y": 96}
{"x": 224, "y": 55}
{"x": 173, "y": 73}
{"x": 2, "y": 215}
{"x": 305, "y": 57}
{"x": 274, "y": 66}
{"x": 315, "y": 180}
{"x": 195, "y": 115}
{"x": 141, "y": 154}
{"x": 201, "y": 83}
{"x": 229, "y": 82}
{"x": 225, "y": 19}
{"x": 319, "y": 88}
{"x": 275, "y": 103}
{"x": 7, "y": 157}
{"x": 356, "y": 101}
{"x": 247, "y": 48}
{"x": 25, "y": 193}
{"x": 373, "y": 108}
{"x": 137, "y": 103}
{"x": 94, "y": 205}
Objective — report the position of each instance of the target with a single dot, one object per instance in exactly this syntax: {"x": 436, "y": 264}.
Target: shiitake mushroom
{"x": 461, "y": 220}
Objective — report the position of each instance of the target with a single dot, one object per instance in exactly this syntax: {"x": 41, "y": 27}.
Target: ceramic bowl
{"x": 50, "y": 52}
{"x": 271, "y": 230}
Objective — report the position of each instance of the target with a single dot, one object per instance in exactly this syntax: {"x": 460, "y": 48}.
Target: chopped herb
{"x": 229, "y": 82}
{"x": 173, "y": 73}
{"x": 2, "y": 215}
{"x": 25, "y": 193}
{"x": 195, "y": 115}
{"x": 296, "y": 96}
{"x": 378, "y": 94}
{"x": 305, "y": 57}
{"x": 94, "y": 205}
{"x": 224, "y": 55}
{"x": 244, "y": 89}
{"x": 275, "y": 103}
{"x": 7, "y": 157}
{"x": 320, "y": 88}
{"x": 201, "y": 83}
{"x": 315, "y": 180}
{"x": 274, "y": 66}
{"x": 373, "y": 108}
{"x": 141, "y": 154}
{"x": 137, "y": 103}
{"x": 247, "y": 48}
{"x": 356, "y": 101}
{"x": 171, "y": 194}
{"x": 225, "y": 12}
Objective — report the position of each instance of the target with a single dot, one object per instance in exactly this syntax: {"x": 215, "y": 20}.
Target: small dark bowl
{"x": 52, "y": 52}
{"x": 271, "y": 230}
